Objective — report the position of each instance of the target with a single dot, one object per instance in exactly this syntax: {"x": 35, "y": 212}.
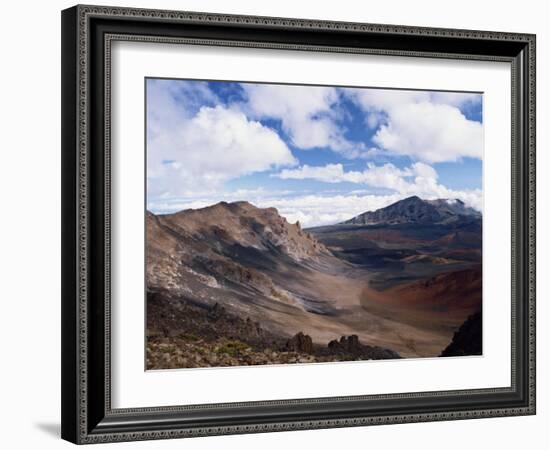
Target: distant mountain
{"x": 415, "y": 210}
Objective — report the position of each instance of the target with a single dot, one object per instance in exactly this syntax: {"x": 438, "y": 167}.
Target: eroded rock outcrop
{"x": 301, "y": 343}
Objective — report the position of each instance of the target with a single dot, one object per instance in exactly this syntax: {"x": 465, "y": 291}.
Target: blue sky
{"x": 319, "y": 154}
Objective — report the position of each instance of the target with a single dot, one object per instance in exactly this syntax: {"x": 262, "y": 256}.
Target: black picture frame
{"x": 87, "y": 416}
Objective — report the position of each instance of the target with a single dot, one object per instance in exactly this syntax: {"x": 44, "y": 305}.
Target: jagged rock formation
{"x": 300, "y": 343}
{"x": 346, "y": 345}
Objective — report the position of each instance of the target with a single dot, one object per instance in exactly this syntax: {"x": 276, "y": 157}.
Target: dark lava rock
{"x": 351, "y": 346}
{"x": 467, "y": 340}
{"x": 346, "y": 345}
{"x": 301, "y": 343}
{"x": 381, "y": 353}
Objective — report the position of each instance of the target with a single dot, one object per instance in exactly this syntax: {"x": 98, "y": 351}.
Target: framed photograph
{"x": 280, "y": 224}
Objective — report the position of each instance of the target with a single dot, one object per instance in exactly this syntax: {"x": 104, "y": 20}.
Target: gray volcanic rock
{"x": 415, "y": 210}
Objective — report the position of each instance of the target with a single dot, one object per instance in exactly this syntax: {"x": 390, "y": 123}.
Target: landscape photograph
{"x": 293, "y": 224}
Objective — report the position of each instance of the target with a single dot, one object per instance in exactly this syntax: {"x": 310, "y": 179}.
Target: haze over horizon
{"x": 450, "y": 202}
{"x": 320, "y": 155}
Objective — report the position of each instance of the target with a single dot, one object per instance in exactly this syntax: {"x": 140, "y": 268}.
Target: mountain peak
{"x": 411, "y": 199}
{"x": 241, "y": 224}
{"x": 416, "y": 210}
{"x": 237, "y": 204}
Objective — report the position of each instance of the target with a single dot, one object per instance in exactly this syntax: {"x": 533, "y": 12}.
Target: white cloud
{"x": 330, "y": 173}
{"x": 422, "y": 180}
{"x": 426, "y": 126}
{"x": 196, "y": 144}
{"x": 309, "y": 209}
{"x": 374, "y": 119}
{"x": 430, "y": 132}
{"x": 418, "y": 179}
{"x": 170, "y": 101}
{"x": 423, "y": 170}
{"x": 458, "y": 99}
{"x": 308, "y": 115}
{"x": 216, "y": 145}
{"x": 378, "y": 100}
{"x": 387, "y": 99}
{"x": 315, "y": 210}
{"x": 388, "y": 175}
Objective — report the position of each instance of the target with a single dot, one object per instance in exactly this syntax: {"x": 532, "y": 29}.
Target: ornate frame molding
{"x": 80, "y": 423}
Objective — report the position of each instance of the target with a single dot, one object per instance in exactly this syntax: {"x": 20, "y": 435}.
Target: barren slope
{"x": 264, "y": 269}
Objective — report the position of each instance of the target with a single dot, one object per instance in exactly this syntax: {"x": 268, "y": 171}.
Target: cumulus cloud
{"x": 330, "y": 173}
{"x": 387, "y": 175}
{"x": 387, "y": 99}
{"x": 171, "y": 101}
{"x": 381, "y": 100}
{"x": 309, "y": 116}
{"x": 431, "y": 132}
{"x": 315, "y": 210}
{"x": 198, "y": 140}
{"x": 426, "y": 126}
{"x": 216, "y": 145}
{"x": 310, "y": 209}
{"x": 417, "y": 179}
{"x": 458, "y": 99}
